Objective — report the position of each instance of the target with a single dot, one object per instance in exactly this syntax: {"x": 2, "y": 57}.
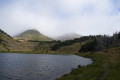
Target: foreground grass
{"x": 105, "y": 67}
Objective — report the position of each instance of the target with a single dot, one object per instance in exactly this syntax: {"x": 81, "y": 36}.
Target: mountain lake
{"x": 16, "y": 66}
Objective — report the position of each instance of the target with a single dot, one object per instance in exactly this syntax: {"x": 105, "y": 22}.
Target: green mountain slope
{"x": 33, "y": 35}
{"x": 7, "y": 43}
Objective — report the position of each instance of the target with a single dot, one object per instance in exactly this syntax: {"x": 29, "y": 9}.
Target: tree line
{"x": 102, "y": 42}
{"x": 70, "y": 42}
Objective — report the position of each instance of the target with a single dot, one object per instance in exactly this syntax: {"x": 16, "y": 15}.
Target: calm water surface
{"x": 15, "y": 66}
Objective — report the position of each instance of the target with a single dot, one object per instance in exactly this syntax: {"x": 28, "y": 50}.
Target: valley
{"x": 103, "y": 50}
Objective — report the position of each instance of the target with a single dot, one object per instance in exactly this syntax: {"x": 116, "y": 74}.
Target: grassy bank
{"x": 105, "y": 67}
{"x": 35, "y": 52}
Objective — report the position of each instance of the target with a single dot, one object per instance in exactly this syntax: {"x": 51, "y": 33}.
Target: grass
{"x": 70, "y": 49}
{"x": 97, "y": 71}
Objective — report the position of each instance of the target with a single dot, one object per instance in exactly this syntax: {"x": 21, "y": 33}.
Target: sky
{"x": 58, "y": 17}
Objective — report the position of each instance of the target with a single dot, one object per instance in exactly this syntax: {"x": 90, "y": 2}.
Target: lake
{"x": 15, "y": 66}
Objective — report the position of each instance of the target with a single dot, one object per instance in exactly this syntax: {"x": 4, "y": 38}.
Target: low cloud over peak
{"x": 58, "y": 17}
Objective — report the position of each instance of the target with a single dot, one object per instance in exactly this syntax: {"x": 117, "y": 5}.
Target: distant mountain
{"x": 33, "y": 35}
{"x": 68, "y": 36}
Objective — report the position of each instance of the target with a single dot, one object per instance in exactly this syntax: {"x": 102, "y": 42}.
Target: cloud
{"x": 57, "y": 17}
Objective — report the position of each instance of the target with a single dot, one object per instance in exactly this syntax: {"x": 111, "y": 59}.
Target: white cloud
{"x": 57, "y": 17}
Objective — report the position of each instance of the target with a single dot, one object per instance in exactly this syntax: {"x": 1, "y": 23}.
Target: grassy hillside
{"x": 32, "y": 35}
{"x": 3, "y": 43}
{"x": 8, "y": 44}
{"x": 70, "y": 49}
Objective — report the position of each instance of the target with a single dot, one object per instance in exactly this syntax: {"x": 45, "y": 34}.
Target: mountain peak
{"x": 33, "y": 35}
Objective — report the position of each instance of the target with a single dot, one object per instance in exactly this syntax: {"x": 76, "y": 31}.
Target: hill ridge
{"x": 32, "y": 35}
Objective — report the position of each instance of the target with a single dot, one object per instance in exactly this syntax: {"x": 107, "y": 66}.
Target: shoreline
{"x": 106, "y": 66}
{"x": 94, "y": 71}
